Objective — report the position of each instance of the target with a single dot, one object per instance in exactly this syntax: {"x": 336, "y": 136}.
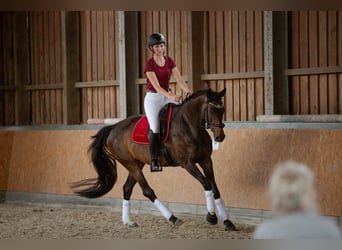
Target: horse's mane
{"x": 194, "y": 95}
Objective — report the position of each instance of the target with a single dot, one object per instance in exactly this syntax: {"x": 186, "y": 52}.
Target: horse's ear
{"x": 222, "y": 93}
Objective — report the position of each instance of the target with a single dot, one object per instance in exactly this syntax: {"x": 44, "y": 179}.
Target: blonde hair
{"x": 291, "y": 188}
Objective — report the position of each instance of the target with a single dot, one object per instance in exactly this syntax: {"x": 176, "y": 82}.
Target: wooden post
{"x": 122, "y": 63}
{"x": 71, "y": 67}
{"x": 280, "y": 59}
{"x": 22, "y": 105}
{"x": 132, "y": 61}
{"x": 268, "y": 62}
{"x": 195, "y": 49}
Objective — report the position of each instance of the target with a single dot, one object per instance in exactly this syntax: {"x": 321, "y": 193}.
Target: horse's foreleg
{"x": 214, "y": 194}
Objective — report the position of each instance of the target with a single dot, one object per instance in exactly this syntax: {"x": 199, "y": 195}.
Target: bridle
{"x": 207, "y": 123}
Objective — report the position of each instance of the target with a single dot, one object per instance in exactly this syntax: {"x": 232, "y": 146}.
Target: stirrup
{"x": 155, "y": 167}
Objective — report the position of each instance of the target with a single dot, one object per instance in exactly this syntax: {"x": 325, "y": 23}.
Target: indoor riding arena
{"x": 66, "y": 74}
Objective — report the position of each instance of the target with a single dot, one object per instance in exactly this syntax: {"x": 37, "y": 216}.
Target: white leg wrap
{"x": 221, "y": 209}
{"x": 126, "y": 210}
{"x": 209, "y": 196}
{"x": 164, "y": 211}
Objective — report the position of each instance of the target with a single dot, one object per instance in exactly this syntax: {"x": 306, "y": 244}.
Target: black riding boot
{"x": 153, "y": 139}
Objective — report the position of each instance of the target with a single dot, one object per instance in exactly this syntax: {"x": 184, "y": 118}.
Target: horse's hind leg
{"x": 126, "y": 205}
{"x": 149, "y": 193}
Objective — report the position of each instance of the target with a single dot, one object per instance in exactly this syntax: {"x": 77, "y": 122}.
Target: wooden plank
{"x": 100, "y": 63}
{"x": 228, "y": 51}
{"x": 259, "y": 83}
{"x": 32, "y": 63}
{"x": 323, "y": 62}
{"x": 295, "y": 61}
{"x": 233, "y": 76}
{"x": 313, "y": 70}
{"x": 106, "y": 59}
{"x": 339, "y": 61}
{"x": 155, "y": 21}
{"x": 205, "y": 43}
{"x": 313, "y": 52}
{"x": 243, "y": 65}
{"x": 94, "y": 63}
{"x": 250, "y": 65}
{"x": 220, "y": 48}
{"x": 212, "y": 42}
{"x": 236, "y": 100}
{"x": 52, "y": 70}
{"x": 112, "y": 48}
{"x": 332, "y": 61}
{"x": 43, "y": 87}
{"x": 177, "y": 41}
{"x": 236, "y": 64}
{"x": 163, "y": 23}
{"x": 303, "y": 60}
{"x": 143, "y": 43}
{"x": 48, "y": 106}
{"x": 41, "y": 101}
{"x": 59, "y": 71}
{"x": 171, "y": 34}
{"x": 184, "y": 41}
{"x": 96, "y": 84}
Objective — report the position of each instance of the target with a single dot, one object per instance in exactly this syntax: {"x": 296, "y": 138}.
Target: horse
{"x": 188, "y": 144}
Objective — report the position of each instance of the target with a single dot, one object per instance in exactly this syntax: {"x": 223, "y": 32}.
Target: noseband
{"x": 207, "y": 123}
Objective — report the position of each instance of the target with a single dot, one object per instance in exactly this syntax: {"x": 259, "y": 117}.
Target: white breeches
{"x": 153, "y": 103}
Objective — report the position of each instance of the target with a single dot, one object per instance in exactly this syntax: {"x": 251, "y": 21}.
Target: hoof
{"x": 131, "y": 224}
{"x": 229, "y": 226}
{"x": 212, "y": 218}
{"x": 178, "y": 222}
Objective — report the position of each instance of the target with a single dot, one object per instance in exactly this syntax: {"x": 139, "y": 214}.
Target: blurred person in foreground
{"x": 293, "y": 200}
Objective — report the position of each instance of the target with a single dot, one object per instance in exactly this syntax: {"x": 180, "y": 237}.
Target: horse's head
{"x": 213, "y": 113}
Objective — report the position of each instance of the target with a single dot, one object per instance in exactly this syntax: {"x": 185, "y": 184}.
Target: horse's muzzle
{"x": 219, "y": 138}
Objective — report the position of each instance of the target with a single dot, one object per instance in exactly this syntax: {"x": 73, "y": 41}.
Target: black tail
{"x": 105, "y": 167}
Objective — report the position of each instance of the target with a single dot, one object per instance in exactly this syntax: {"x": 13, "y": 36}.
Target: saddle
{"x": 140, "y": 130}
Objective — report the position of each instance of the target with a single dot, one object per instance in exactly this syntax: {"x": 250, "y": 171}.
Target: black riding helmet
{"x": 155, "y": 38}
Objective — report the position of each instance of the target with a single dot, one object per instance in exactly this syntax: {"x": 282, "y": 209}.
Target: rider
{"x": 158, "y": 70}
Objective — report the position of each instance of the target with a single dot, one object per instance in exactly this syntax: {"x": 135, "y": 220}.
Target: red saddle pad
{"x": 140, "y": 130}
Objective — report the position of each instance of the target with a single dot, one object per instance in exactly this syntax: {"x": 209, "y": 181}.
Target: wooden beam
{"x": 122, "y": 63}
{"x": 280, "y": 63}
{"x": 268, "y": 63}
{"x": 71, "y": 67}
{"x": 313, "y": 71}
{"x": 100, "y": 83}
{"x": 44, "y": 86}
{"x": 230, "y": 76}
{"x": 195, "y": 49}
{"x": 132, "y": 61}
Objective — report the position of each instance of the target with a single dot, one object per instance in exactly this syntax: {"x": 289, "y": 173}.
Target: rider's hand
{"x": 175, "y": 98}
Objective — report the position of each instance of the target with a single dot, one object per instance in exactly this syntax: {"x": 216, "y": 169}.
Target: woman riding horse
{"x": 189, "y": 144}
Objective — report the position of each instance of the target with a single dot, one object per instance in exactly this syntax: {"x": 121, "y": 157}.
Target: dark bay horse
{"x": 188, "y": 143}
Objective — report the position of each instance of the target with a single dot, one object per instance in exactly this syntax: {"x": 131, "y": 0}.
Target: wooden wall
{"x": 233, "y": 57}
{"x": 7, "y": 87}
{"x": 99, "y": 62}
{"x": 315, "y": 64}
{"x": 46, "y": 67}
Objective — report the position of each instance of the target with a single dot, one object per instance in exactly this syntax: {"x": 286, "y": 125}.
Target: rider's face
{"x": 159, "y": 49}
